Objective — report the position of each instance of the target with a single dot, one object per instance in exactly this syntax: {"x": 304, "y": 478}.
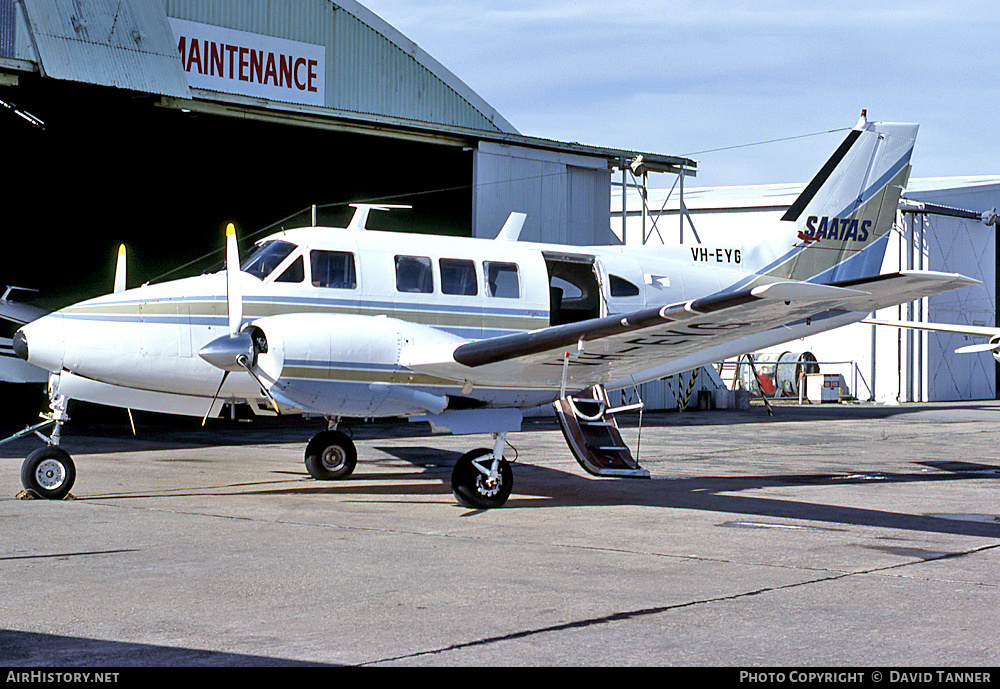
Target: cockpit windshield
{"x": 267, "y": 257}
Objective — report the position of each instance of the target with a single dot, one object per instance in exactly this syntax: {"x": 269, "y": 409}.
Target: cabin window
{"x": 620, "y": 287}
{"x": 333, "y": 269}
{"x": 458, "y": 276}
{"x": 502, "y": 280}
{"x": 293, "y": 273}
{"x": 414, "y": 274}
{"x": 267, "y": 257}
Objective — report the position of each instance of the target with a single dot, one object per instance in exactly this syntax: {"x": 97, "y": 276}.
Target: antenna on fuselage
{"x": 360, "y": 219}
{"x": 511, "y": 229}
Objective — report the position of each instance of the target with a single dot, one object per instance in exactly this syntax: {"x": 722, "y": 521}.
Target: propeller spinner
{"x": 239, "y": 349}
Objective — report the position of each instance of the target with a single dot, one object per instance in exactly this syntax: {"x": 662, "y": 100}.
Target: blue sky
{"x": 681, "y": 78}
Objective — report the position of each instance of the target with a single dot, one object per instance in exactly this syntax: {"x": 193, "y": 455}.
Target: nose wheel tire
{"x": 476, "y": 485}
{"x": 331, "y": 455}
{"x": 48, "y": 472}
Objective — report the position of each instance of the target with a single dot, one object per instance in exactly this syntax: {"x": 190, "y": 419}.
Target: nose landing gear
{"x": 48, "y": 472}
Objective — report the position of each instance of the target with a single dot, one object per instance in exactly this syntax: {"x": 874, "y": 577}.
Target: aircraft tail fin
{"x": 844, "y": 214}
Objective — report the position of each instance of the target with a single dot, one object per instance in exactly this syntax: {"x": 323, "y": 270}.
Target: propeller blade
{"x": 120, "y": 270}
{"x": 225, "y": 374}
{"x": 234, "y": 298}
{"x": 984, "y": 347}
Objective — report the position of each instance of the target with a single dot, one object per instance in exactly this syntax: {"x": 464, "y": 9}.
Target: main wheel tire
{"x": 475, "y": 490}
{"x": 48, "y": 472}
{"x": 331, "y": 455}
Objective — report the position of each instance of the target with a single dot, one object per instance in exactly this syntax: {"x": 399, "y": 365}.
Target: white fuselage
{"x": 339, "y": 337}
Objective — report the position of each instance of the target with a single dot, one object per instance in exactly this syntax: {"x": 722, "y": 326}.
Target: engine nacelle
{"x": 995, "y": 342}
{"x": 349, "y": 365}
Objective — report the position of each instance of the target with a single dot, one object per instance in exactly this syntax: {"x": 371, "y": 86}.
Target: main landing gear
{"x": 482, "y": 479}
{"x": 331, "y": 455}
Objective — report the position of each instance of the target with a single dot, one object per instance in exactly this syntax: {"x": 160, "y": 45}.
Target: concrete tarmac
{"x": 851, "y": 536}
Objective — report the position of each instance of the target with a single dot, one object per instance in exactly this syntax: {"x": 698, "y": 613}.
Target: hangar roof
{"x": 370, "y": 67}
{"x": 345, "y": 57}
{"x": 316, "y": 63}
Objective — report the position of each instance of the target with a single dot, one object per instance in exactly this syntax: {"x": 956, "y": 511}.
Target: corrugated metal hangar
{"x": 155, "y": 123}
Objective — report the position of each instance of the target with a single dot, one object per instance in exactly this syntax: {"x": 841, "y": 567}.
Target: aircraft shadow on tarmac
{"x": 537, "y": 487}
{"x": 160, "y": 431}
{"x": 34, "y": 651}
{"x": 721, "y": 494}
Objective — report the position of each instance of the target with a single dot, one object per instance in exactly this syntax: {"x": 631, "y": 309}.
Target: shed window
{"x": 502, "y": 280}
{"x": 414, "y": 274}
{"x": 333, "y": 269}
{"x": 458, "y": 277}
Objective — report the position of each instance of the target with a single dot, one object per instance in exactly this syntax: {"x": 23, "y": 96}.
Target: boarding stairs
{"x": 592, "y": 433}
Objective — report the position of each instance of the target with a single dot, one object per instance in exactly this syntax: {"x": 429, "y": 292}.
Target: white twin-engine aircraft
{"x": 467, "y": 333}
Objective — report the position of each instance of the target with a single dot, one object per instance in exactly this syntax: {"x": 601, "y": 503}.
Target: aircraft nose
{"x": 42, "y": 343}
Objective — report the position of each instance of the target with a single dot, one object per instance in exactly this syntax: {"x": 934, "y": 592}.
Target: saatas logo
{"x": 840, "y": 229}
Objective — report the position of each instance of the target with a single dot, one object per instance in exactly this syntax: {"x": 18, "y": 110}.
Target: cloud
{"x": 676, "y": 77}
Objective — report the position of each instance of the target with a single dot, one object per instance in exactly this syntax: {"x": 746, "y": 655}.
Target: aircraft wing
{"x": 615, "y": 347}
{"x": 13, "y": 370}
{"x": 953, "y": 328}
{"x": 976, "y": 330}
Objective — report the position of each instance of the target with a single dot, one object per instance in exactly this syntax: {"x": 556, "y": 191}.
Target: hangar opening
{"x": 110, "y": 166}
